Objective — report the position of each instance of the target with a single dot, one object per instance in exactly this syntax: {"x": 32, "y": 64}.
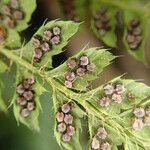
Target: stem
{"x": 75, "y": 96}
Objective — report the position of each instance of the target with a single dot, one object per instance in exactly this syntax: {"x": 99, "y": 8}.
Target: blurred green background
{"x": 14, "y": 137}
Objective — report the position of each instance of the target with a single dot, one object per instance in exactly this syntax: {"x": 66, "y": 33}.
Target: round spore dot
{"x": 68, "y": 119}
{"x": 18, "y": 14}
{"x": 91, "y": 67}
{"x": 66, "y": 138}
{"x": 55, "y": 40}
{"x": 95, "y": 144}
{"x": 105, "y": 20}
{"x": 60, "y": 116}
{"x": 56, "y": 30}
{"x": 108, "y": 89}
{"x": 47, "y": 35}
{"x": 120, "y": 89}
{"x": 99, "y": 24}
{"x": 20, "y": 89}
{"x": 45, "y": 47}
{"x": 81, "y": 71}
{"x": 26, "y": 84}
{"x": 101, "y": 32}
{"x": 6, "y": 9}
{"x": 14, "y": 4}
{"x": 36, "y": 42}
{"x": 9, "y": 22}
{"x": 106, "y": 146}
{"x": 72, "y": 63}
{"x": 62, "y": 127}
{"x": 130, "y": 38}
{"x": 28, "y": 95}
{"x": 105, "y": 102}
{"x": 68, "y": 84}
{"x": 103, "y": 10}
{"x": 101, "y": 133}
{"x": 31, "y": 80}
{"x": 25, "y": 112}
{"x": 131, "y": 96}
{"x": 117, "y": 98}
{"x": 38, "y": 53}
{"x": 84, "y": 61}
{"x": 135, "y": 22}
{"x": 133, "y": 45}
{"x": 30, "y": 106}
{"x": 21, "y": 101}
{"x": 138, "y": 124}
{"x": 138, "y": 40}
{"x": 70, "y": 130}
{"x": 139, "y": 112}
{"x": 65, "y": 108}
{"x": 137, "y": 31}
{"x": 70, "y": 76}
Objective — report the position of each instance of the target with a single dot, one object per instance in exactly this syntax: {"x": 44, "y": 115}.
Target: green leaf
{"x": 130, "y": 145}
{"x": 137, "y": 53}
{"x": 140, "y": 92}
{"x": 139, "y": 139}
{"x": 74, "y": 144}
{"x": 100, "y": 57}
{"x": 94, "y": 96}
{"x": 3, "y": 66}
{"x": 13, "y": 39}
{"x": 109, "y": 38}
{"x": 114, "y": 137}
{"x": 68, "y": 29}
{"x": 32, "y": 120}
{"x": 28, "y": 6}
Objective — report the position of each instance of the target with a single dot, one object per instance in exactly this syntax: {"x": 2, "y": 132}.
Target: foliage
{"x": 110, "y": 106}
{"x": 110, "y": 18}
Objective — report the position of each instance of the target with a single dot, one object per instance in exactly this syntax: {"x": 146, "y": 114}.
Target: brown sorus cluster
{"x": 69, "y": 10}
{"x": 131, "y": 96}
{"x": 46, "y": 42}
{"x": 112, "y": 93}
{"x": 77, "y": 68}
{"x": 142, "y": 118}
{"x": 99, "y": 141}
{"x": 134, "y": 37}
{"x": 102, "y": 21}
{"x": 65, "y": 122}
{"x": 26, "y": 96}
{"x": 2, "y": 34}
{"x": 10, "y": 13}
